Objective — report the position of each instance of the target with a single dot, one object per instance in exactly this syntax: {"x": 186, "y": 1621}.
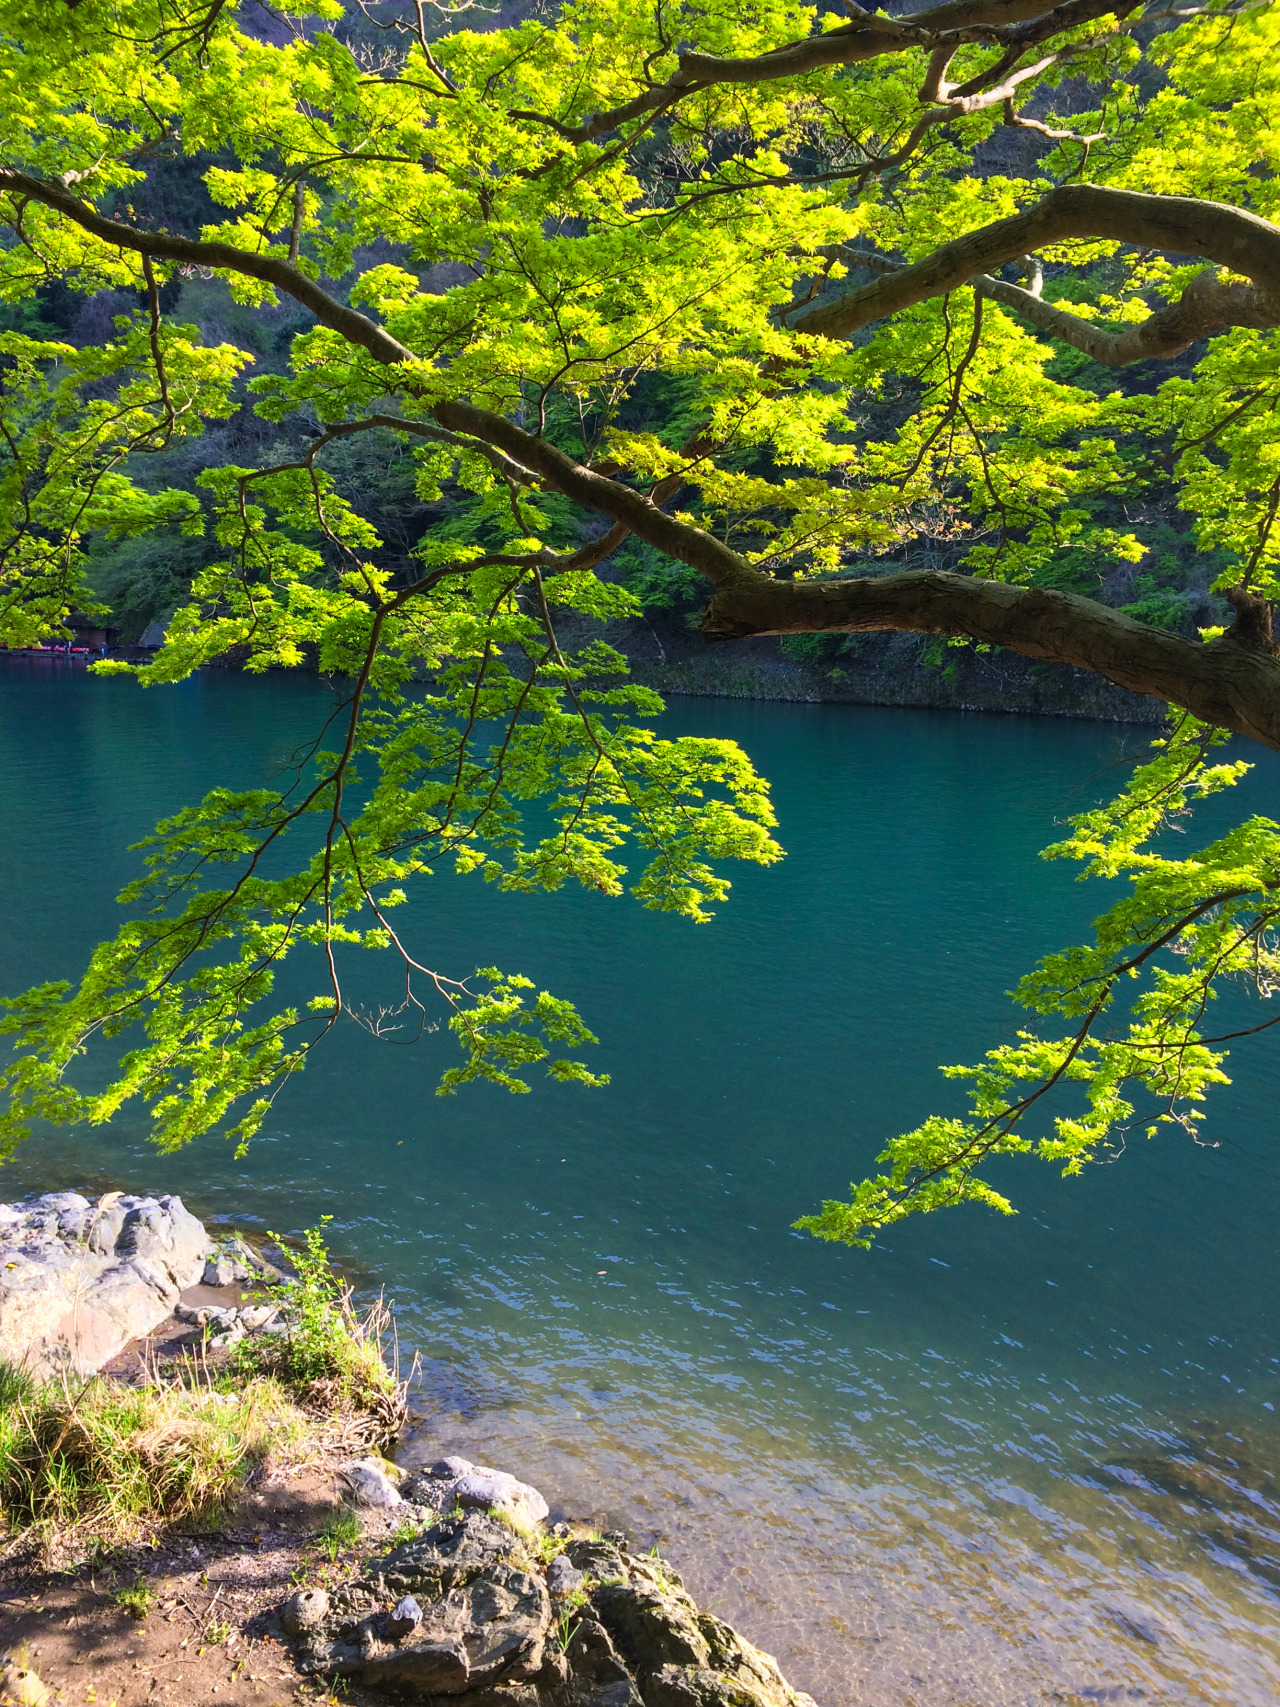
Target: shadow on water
{"x": 1215, "y": 1487}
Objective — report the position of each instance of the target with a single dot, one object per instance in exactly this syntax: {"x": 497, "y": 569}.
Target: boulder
{"x": 456, "y": 1482}
{"x": 79, "y": 1280}
{"x": 259, "y": 1316}
{"x": 234, "y": 1262}
{"x": 449, "y": 1469}
{"x": 495, "y": 1490}
{"x": 370, "y": 1485}
{"x": 482, "y": 1618}
{"x": 651, "y": 1629}
{"x": 213, "y": 1316}
{"x": 596, "y": 1675}
{"x": 562, "y": 1578}
{"x": 225, "y": 1270}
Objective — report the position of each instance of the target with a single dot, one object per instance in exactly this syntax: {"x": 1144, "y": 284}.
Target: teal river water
{"x": 992, "y": 1461}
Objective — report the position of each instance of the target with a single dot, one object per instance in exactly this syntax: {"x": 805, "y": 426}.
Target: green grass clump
{"x": 85, "y": 1468}
{"x": 137, "y": 1600}
{"x": 111, "y": 1462}
{"x": 339, "y": 1535}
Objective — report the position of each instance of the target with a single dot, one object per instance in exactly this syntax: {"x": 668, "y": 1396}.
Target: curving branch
{"x": 357, "y": 328}
{"x": 1233, "y": 682}
{"x": 1179, "y": 225}
{"x": 1209, "y": 304}
{"x": 1206, "y": 307}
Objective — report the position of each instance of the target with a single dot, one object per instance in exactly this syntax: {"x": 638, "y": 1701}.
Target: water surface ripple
{"x": 993, "y": 1461}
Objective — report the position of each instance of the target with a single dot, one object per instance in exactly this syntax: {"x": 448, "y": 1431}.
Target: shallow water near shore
{"x": 991, "y": 1461}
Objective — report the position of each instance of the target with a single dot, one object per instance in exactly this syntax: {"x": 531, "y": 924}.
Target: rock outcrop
{"x": 79, "y": 1280}
{"x": 472, "y": 1609}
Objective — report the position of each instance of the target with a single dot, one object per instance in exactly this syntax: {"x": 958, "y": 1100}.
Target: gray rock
{"x": 686, "y": 1686}
{"x": 448, "y": 1555}
{"x": 258, "y": 1316}
{"x": 599, "y": 1559}
{"x": 597, "y": 1676}
{"x": 452, "y": 1468}
{"x": 562, "y": 1578}
{"x": 224, "y": 1270}
{"x": 305, "y": 1610}
{"x": 651, "y": 1629}
{"x": 403, "y": 1617}
{"x": 457, "y": 1482}
{"x": 370, "y": 1485}
{"x": 213, "y": 1316}
{"x": 496, "y": 1489}
{"x": 752, "y": 1672}
{"x": 483, "y": 1620}
{"x": 458, "y": 1611}
{"x": 79, "y": 1280}
{"x": 234, "y": 1262}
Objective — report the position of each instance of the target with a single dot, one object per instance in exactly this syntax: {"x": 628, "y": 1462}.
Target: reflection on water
{"x": 1018, "y": 1461}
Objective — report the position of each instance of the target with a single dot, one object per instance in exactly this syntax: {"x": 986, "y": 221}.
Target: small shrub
{"x": 1160, "y": 608}
{"x": 811, "y": 648}
{"x": 330, "y": 1358}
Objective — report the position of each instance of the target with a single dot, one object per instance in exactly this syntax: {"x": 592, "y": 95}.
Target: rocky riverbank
{"x": 308, "y": 1561}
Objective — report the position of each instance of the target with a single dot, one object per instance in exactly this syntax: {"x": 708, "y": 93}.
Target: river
{"x": 990, "y": 1461}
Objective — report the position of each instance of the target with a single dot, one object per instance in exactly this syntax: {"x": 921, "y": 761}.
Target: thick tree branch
{"x": 1206, "y": 307}
{"x": 1179, "y": 225}
{"x": 1015, "y": 24}
{"x": 1175, "y": 224}
{"x": 271, "y": 269}
{"x": 1233, "y": 682}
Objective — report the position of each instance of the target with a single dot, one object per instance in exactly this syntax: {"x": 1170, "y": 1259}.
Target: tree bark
{"x": 1233, "y": 682}
{"x": 1207, "y": 306}
{"x": 1013, "y": 24}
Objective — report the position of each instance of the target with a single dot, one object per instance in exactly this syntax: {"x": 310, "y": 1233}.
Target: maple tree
{"x": 768, "y": 290}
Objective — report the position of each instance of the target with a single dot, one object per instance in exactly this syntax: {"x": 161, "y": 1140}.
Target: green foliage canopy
{"x": 728, "y": 290}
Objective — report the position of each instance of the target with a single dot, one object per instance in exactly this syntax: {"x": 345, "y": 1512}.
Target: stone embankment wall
{"x": 875, "y": 669}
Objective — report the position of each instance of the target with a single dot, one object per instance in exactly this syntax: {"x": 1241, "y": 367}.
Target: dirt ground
{"x": 211, "y": 1634}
